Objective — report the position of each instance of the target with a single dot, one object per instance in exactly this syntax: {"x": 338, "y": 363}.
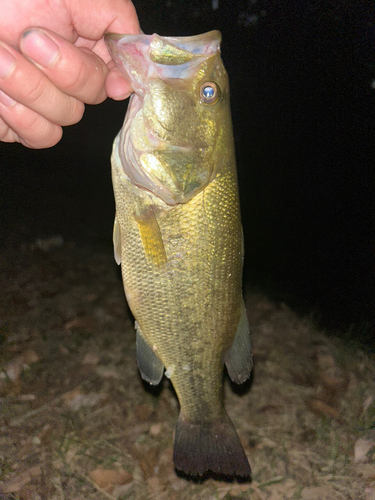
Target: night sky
{"x": 303, "y": 106}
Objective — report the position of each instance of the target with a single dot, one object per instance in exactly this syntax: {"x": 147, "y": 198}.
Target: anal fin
{"x": 239, "y": 360}
{"x": 149, "y": 364}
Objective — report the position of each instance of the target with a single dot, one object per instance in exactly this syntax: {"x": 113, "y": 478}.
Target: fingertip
{"x": 43, "y": 142}
{"x": 39, "y": 46}
{"x": 116, "y": 86}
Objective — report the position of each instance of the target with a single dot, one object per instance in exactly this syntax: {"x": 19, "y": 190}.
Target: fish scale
{"x": 181, "y": 251}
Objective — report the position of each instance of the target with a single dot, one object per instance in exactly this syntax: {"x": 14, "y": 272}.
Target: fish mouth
{"x": 141, "y": 58}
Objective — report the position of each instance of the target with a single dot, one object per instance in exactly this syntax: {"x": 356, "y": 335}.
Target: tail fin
{"x": 214, "y": 447}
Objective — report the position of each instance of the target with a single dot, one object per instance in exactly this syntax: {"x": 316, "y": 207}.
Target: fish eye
{"x": 209, "y": 93}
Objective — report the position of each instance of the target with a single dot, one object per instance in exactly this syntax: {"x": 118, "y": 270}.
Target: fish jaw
{"x": 169, "y": 142}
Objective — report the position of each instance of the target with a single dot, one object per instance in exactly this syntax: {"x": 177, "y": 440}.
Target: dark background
{"x": 303, "y": 90}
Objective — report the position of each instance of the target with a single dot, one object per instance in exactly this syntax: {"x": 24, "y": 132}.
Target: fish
{"x": 179, "y": 239}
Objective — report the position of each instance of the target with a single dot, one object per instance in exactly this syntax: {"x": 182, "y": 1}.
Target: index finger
{"x": 77, "y": 72}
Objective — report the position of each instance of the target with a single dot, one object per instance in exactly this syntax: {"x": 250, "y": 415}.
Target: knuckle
{"x": 29, "y": 128}
{"x": 77, "y": 111}
{"x": 6, "y": 134}
{"x": 71, "y": 111}
{"x": 87, "y": 82}
{"x": 37, "y": 93}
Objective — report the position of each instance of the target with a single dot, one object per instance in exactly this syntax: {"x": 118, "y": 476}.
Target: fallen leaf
{"x": 361, "y": 448}
{"x": 370, "y": 494}
{"x": 63, "y": 350}
{"x": 91, "y": 358}
{"x": 75, "y": 399}
{"x": 87, "y": 323}
{"x": 155, "y": 429}
{"x": 18, "y": 482}
{"x": 320, "y": 408}
{"x": 367, "y": 471}
{"x": 108, "y": 372}
{"x": 266, "y": 443}
{"x": 318, "y": 493}
{"x": 283, "y": 490}
{"x": 154, "y": 486}
{"x": 108, "y": 479}
{"x": 149, "y": 461}
{"x": 14, "y": 368}
{"x": 71, "y": 395}
{"x": 368, "y": 403}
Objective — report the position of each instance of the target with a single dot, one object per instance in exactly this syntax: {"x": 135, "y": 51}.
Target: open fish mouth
{"x": 144, "y": 57}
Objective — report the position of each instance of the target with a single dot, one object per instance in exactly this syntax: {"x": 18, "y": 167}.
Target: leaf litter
{"x": 77, "y": 422}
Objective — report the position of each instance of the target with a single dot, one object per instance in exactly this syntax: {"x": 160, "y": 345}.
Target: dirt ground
{"x": 77, "y": 422}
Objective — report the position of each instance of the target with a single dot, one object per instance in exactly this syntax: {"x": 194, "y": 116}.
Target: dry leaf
{"x": 154, "y": 486}
{"x": 75, "y": 399}
{"x": 63, "y": 350}
{"x": 108, "y": 372}
{"x": 155, "y": 429}
{"x": 283, "y": 490}
{"x": 18, "y": 482}
{"x": 370, "y": 494}
{"x": 85, "y": 323}
{"x": 320, "y": 408}
{"x": 69, "y": 396}
{"x": 91, "y": 358}
{"x": 14, "y": 368}
{"x": 149, "y": 462}
{"x": 319, "y": 493}
{"x": 361, "y": 448}
{"x": 108, "y": 479}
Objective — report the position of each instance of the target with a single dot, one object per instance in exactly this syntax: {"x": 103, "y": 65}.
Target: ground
{"x": 78, "y": 423}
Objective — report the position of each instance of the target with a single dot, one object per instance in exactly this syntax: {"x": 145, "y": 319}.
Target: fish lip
{"x": 213, "y": 35}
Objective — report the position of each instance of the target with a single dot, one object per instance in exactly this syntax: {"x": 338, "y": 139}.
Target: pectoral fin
{"x": 239, "y": 360}
{"x": 117, "y": 240}
{"x": 151, "y": 237}
{"x": 149, "y": 364}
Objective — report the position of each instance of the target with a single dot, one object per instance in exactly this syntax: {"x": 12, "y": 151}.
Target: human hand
{"x": 49, "y": 71}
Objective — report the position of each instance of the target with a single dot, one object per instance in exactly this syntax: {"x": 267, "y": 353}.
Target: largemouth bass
{"x": 178, "y": 236}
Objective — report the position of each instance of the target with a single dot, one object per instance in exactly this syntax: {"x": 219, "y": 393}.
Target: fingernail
{"x": 39, "y": 47}
{"x": 6, "y": 100}
{"x": 7, "y": 62}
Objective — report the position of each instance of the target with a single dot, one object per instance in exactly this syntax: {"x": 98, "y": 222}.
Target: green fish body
{"x": 178, "y": 236}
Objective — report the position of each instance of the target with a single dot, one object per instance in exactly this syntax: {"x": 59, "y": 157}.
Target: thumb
{"x": 92, "y": 20}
